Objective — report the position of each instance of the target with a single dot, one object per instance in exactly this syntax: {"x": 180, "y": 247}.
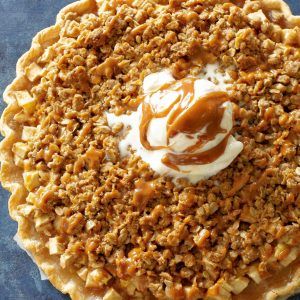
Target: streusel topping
{"x": 113, "y": 220}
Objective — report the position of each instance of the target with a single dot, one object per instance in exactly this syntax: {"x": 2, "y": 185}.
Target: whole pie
{"x": 152, "y": 150}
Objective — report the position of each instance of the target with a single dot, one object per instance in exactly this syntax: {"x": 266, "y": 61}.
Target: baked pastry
{"x": 118, "y": 196}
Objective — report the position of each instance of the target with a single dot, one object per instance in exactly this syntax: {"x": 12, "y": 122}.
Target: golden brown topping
{"x": 103, "y": 217}
{"x": 143, "y": 192}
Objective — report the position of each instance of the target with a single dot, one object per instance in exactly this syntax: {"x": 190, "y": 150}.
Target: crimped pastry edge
{"x": 11, "y": 175}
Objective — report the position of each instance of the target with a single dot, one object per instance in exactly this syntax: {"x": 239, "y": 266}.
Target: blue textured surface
{"x": 20, "y": 20}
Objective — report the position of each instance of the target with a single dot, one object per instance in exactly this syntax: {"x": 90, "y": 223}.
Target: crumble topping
{"x": 182, "y": 241}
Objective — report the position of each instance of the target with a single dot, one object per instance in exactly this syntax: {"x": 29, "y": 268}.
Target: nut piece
{"x": 111, "y": 294}
{"x": 201, "y": 238}
{"x": 31, "y": 180}
{"x": 33, "y": 71}
{"x": 25, "y": 100}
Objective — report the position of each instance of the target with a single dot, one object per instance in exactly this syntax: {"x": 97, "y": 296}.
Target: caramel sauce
{"x": 280, "y": 279}
{"x": 238, "y": 184}
{"x": 147, "y": 117}
{"x": 205, "y": 113}
{"x": 189, "y": 116}
{"x": 138, "y": 30}
{"x": 202, "y": 57}
{"x": 239, "y": 3}
{"x": 107, "y": 68}
{"x": 144, "y": 191}
{"x": 255, "y": 187}
{"x": 172, "y": 160}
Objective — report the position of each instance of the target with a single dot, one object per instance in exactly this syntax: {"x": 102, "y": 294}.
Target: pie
{"x": 120, "y": 197}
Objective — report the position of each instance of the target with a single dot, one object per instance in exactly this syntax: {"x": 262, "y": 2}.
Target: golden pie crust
{"x": 12, "y": 176}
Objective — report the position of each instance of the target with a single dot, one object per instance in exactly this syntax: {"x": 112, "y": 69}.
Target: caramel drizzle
{"x": 188, "y": 116}
{"x": 144, "y": 191}
{"x": 206, "y": 157}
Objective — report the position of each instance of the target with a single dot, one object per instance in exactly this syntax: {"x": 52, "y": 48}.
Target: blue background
{"x": 20, "y": 20}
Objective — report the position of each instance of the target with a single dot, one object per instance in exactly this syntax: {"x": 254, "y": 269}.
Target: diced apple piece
{"x": 90, "y": 224}
{"x": 32, "y": 198}
{"x": 28, "y": 133}
{"x": 111, "y": 294}
{"x": 239, "y": 284}
{"x": 55, "y": 246}
{"x": 290, "y": 35}
{"x": 290, "y": 257}
{"x": 42, "y": 220}
{"x": 217, "y": 292}
{"x": 66, "y": 259}
{"x": 31, "y": 180}
{"x": 97, "y": 278}
{"x": 20, "y": 117}
{"x": 227, "y": 287}
{"x": 47, "y": 55}
{"x": 129, "y": 286}
{"x": 25, "y": 209}
{"x": 19, "y": 162}
{"x": 33, "y": 72}
{"x": 20, "y": 149}
{"x": 281, "y": 251}
{"x": 257, "y": 16}
{"x": 82, "y": 273}
{"x": 26, "y": 101}
{"x": 192, "y": 292}
{"x": 254, "y": 274}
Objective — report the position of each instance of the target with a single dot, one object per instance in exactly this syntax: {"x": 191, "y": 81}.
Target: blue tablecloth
{"x": 20, "y": 20}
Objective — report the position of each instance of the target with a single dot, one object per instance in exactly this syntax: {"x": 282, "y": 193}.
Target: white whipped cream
{"x": 157, "y": 133}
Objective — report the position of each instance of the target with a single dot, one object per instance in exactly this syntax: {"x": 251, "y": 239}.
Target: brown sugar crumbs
{"x": 181, "y": 241}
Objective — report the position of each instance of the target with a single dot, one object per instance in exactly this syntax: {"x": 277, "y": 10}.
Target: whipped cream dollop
{"x": 181, "y": 128}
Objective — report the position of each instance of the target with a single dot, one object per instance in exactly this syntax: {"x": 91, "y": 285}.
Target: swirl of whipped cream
{"x": 182, "y": 128}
